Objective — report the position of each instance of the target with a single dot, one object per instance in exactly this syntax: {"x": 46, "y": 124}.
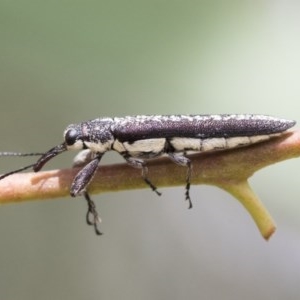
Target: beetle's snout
{"x": 49, "y": 155}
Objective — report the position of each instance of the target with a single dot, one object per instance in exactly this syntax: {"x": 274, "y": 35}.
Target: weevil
{"x": 140, "y": 138}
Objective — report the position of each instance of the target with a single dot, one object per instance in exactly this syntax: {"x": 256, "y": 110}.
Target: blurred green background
{"x": 63, "y": 62}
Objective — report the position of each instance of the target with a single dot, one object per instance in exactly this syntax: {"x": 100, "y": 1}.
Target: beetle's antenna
{"x": 19, "y": 154}
{"x": 16, "y": 171}
{"x": 46, "y": 156}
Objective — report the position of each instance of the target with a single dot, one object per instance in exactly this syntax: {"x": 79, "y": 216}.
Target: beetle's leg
{"x": 83, "y": 158}
{"x": 92, "y": 216}
{"x": 85, "y": 175}
{"x": 141, "y": 164}
{"x": 186, "y": 162}
{"x": 90, "y": 161}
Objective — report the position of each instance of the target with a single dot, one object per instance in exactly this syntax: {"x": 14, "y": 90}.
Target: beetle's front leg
{"x": 85, "y": 175}
{"x": 83, "y": 158}
{"x": 92, "y": 216}
{"x": 90, "y": 161}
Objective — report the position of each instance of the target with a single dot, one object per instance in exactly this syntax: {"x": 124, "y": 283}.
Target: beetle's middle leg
{"x": 141, "y": 164}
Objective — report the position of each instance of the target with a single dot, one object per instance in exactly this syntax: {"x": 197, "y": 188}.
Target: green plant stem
{"x": 243, "y": 192}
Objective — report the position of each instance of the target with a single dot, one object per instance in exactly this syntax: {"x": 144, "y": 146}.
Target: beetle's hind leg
{"x": 185, "y": 162}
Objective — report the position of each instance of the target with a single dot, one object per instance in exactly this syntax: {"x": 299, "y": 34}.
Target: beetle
{"x": 144, "y": 137}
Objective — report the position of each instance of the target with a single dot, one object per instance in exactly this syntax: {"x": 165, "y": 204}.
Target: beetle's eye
{"x": 71, "y": 137}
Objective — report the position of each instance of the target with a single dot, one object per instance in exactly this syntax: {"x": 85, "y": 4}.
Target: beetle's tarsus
{"x": 92, "y": 216}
